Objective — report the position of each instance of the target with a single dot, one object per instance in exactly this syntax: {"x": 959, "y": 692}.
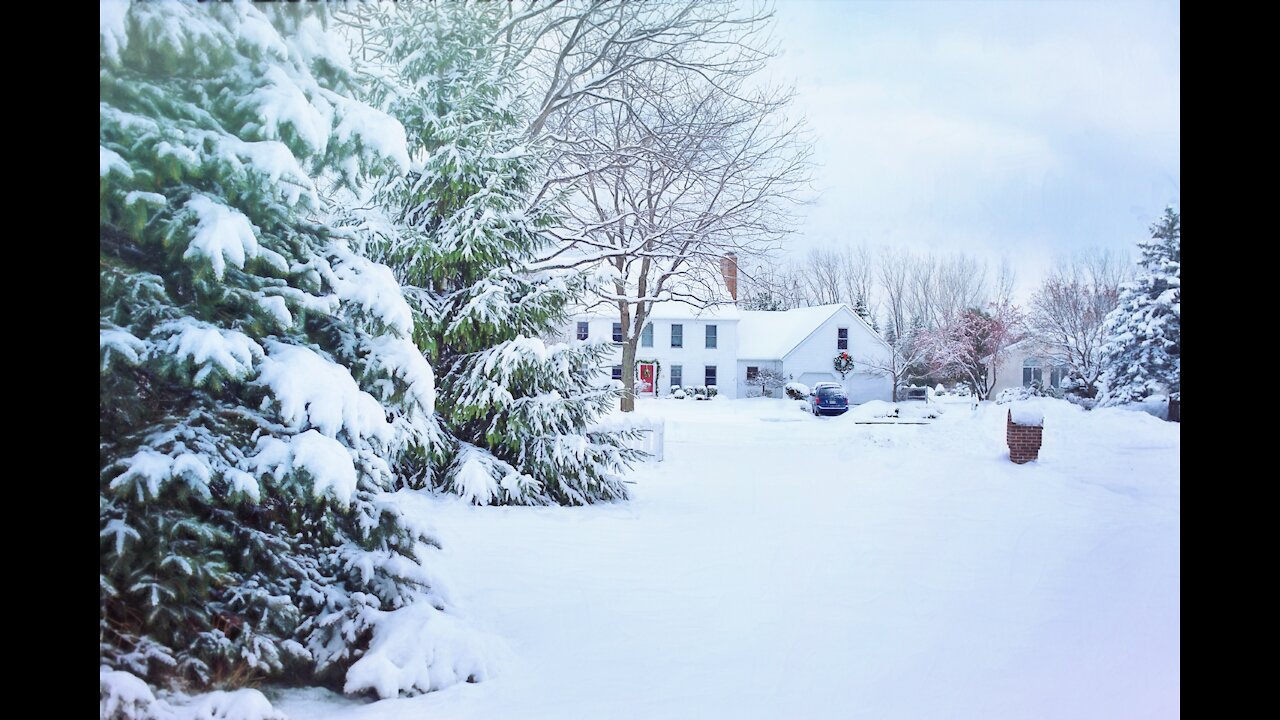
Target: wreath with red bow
{"x": 843, "y": 364}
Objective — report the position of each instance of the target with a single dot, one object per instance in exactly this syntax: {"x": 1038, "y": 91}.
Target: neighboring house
{"x": 803, "y": 343}
{"x": 1026, "y": 362}
{"x": 681, "y": 345}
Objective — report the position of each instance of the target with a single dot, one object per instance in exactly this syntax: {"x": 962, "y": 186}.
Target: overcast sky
{"x": 1022, "y": 129}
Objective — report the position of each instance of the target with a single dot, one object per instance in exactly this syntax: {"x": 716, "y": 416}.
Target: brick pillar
{"x": 1024, "y": 440}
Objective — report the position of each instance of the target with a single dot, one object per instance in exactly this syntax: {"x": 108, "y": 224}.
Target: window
{"x": 677, "y": 376}
{"x": 646, "y": 335}
{"x": 1031, "y": 372}
{"x": 617, "y": 332}
{"x": 583, "y": 330}
{"x": 842, "y": 338}
{"x": 710, "y": 375}
{"x": 752, "y": 372}
{"x": 1057, "y": 375}
{"x": 711, "y": 336}
{"x": 617, "y": 372}
{"x": 677, "y": 336}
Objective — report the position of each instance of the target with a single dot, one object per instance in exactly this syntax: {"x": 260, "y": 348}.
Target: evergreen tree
{"x": 890, "y": 332}
{"x": 258, "y": 381}
{"x": 460, "y": 232}
{"x": 1143, "y": 352}
{"x": 860, "y": 309}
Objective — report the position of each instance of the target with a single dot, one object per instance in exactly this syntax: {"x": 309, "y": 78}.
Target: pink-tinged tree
{"x": 972, "y": 345}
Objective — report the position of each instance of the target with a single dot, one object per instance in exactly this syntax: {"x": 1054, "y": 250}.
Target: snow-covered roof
{"x": 669, "y": 310}
{"x": 771, "y": 334}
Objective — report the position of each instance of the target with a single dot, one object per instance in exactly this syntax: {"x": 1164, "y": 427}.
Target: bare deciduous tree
{"x": 700, "y": 173}
{"x": 1067, "y": 312}
{"x": 666, "y": 158}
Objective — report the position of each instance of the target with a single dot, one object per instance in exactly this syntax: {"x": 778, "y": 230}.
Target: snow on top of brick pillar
{"x": 1025, "y": 414}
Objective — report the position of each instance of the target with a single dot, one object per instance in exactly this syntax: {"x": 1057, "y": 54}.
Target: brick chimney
{"x": 729, "y": 269}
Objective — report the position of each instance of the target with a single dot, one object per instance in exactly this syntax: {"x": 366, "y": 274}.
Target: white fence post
{"x": 657, "y": 436}
{"x": 652, "y": 433}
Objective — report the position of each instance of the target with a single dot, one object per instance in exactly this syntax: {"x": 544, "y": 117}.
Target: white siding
{"x": 811, "y": 361}
{"x": 693, "y": 357}
{"x": 1009, "y": 371}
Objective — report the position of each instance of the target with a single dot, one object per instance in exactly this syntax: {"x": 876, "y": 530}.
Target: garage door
{"x": 814, "y": 378}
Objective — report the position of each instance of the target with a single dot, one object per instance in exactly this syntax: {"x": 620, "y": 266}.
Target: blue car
{"x": 829, "y": 400}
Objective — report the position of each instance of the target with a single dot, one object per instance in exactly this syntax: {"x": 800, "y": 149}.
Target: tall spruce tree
{"x": 258, "y": 383}
{"x": 460, "y": 230}
{"x": 860, "y": 309}
{"x": 1143, "y": 351}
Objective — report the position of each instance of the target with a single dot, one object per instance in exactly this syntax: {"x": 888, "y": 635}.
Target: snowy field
{"x": 778, "y": 565}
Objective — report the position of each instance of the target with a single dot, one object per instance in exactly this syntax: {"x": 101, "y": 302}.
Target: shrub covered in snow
{"x": 873, "y": 409}
{"x": 1024, "y": 392}
{"x": 712, "y": 391}
{"x": 124, "y": 696}
{"x": 679, "y": 395}
{"x": 797, "y": 391}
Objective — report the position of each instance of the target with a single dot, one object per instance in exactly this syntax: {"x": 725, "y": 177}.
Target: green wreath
{"x": 843, "y": 364}
{"x": 657, "y": 371}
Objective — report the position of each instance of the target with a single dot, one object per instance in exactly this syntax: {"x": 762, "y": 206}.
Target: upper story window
{"x": 617, "y": 372}
{"x": 617, "y": 332}
{"x": 1031, "y": 372}
{"x": 677, "y": 336}
{"x": 711, "y": 336}
{"x": 584, "y": 329}
{"x": 842, "y": 338}
{"x": 646, "y": 335}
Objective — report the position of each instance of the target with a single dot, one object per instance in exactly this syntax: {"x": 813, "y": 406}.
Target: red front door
{"x": 646, "y": 378}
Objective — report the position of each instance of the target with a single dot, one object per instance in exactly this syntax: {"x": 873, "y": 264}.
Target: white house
{"x": 1025, "y": 362}
{"x": 681, "y": 345}
{"x": 803, "y": 343}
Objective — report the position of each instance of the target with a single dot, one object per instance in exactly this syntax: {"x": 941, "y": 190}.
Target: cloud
{"x": 986, "y": 127}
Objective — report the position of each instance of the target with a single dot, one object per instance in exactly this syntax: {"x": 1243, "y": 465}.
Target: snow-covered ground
{"x": 779, "y": 565}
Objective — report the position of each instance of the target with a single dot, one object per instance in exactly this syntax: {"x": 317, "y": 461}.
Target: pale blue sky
{"x": 1020, "y": 128}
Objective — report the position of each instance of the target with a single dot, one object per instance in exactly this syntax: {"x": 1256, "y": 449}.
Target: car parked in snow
{"x": 828, "y": 399}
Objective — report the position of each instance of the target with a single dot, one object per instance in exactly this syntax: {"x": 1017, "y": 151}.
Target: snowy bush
{"x": 797, "y": 391}
{"x": 124, "y": 696}
{"x": 712, "y": 391}
{"x": 940, "y": 389}
{"x": 875, "y": 409}
{"x": 679, "y": 395}
{"x": 1035, "y": 389}
{"x": 1087, "y": 403}
{"x": 420, "y": 649}
{"x": 765, "y": 382}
